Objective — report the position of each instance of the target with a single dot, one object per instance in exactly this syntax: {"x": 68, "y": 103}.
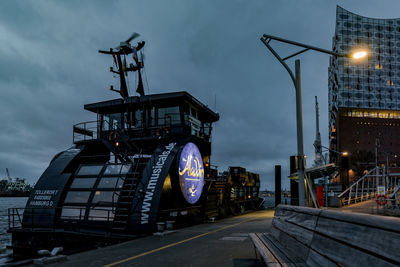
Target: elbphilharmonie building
{"x": 364, "y": 95}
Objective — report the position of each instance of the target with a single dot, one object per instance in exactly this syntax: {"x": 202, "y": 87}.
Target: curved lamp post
{"x": 266, "y": 39}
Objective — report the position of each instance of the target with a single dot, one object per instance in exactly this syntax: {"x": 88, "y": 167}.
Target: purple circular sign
{"x": 191, "y": 173}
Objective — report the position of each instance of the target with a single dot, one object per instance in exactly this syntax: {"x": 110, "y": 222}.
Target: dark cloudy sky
{"x": 50, "y": 68}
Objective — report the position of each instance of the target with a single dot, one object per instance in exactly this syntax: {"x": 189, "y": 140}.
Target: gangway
{"x": 366, "y": 187}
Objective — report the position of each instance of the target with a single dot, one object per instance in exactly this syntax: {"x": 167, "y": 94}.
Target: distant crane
{"x": 317, "y": 143}
{"x": 8, "y": 175}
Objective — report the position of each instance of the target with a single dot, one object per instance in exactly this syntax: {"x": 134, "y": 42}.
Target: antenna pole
{"x": 215, "y": 102}
{"x": 124, "y": 88}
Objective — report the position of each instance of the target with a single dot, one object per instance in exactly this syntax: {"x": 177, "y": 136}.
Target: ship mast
{"x": 317, "y": 143}
{"x": 124, "y": 49}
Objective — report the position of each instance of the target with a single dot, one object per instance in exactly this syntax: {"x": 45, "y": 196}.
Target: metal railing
{"x": 365, "y": 187}
{"x": 34, "y": 218}
{"x": 85, "y": 131}
{"x": 393, "y": 201}
{"x": 91, "y": 130}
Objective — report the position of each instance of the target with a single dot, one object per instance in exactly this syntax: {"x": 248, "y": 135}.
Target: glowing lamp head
{"x": 359, "y": 54}
{"x": 345, "y": 153}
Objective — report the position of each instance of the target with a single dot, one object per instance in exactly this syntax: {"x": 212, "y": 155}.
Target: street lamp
{"x": 359, "y": 54}
{"x": 266, "y": 39}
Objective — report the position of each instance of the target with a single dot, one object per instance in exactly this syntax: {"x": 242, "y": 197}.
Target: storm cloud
{"x": 50, "y": 68}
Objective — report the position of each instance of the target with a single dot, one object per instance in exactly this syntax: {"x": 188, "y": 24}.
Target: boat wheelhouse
{"x": 122, "y": 174}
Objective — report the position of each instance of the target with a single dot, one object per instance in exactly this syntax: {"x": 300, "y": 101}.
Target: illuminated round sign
{"x": 191, "y": 173}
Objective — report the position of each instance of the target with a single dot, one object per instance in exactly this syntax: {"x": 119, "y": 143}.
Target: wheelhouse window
{"x": 169, "y": 116}
{"x": 112, "y": 122}
{"x": 152, "y": 117}
{"x": 207, "y": 128}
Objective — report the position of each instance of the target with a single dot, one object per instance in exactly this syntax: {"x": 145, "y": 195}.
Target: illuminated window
{"x": 378, "y": 66}
{"x": 390, "y": 82}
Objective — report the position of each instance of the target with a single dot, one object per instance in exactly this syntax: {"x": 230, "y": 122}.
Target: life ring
{"x": 381, "y": 199}
{"x": 162, "y": 131}
{"x": 113, "y": 136}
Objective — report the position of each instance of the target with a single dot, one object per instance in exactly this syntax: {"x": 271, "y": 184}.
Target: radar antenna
{"x": 124, "y": 49}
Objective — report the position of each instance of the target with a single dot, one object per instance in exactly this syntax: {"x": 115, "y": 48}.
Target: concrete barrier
{"x": 315, "y": 237}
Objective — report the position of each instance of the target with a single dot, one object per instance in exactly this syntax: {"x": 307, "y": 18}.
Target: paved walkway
{"x": 222, "y": 243}
{"x": 369, "y": 207}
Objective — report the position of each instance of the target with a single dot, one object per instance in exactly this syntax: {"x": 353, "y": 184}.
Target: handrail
{"x": 362, "y": 178}
{"x": 15, "y": 220}
{"x": 85, "y": 131}
{"x": 92, "y": 130}
{"x": 394, "y": 192}
{"x": 366, "y": 186}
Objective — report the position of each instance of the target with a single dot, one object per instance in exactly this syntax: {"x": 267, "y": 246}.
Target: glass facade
{"x": 371, "y": 83}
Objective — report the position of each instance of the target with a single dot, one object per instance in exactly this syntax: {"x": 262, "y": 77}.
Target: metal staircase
{"x": 215, "y": 188}
{"x": 127, "y": 195}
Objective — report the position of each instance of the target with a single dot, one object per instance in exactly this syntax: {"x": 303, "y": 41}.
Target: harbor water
{"x": 269, "y": 201}
{"x": 5, "y": 238}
